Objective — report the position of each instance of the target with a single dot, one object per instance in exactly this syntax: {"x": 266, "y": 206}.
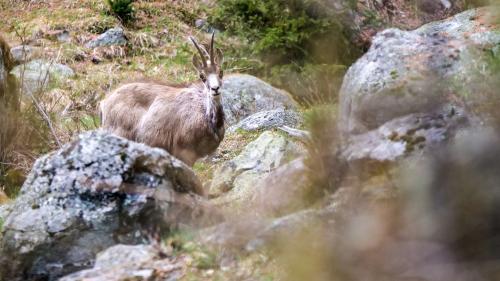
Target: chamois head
{"x": 209, "y": 65}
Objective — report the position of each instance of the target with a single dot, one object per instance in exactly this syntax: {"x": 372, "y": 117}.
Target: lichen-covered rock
{"x": 244, "y": 95}
{"x": 447, "y": 64}
{"x": 268, "y": 119}
{"x": 93, "y": 193}
{"x": 126, "y": 262}
{"x": 240, "y": 175}
{"x": 405, "y": 135}
{"x": 113, "y": 36}
{"x": 36, "y": 75}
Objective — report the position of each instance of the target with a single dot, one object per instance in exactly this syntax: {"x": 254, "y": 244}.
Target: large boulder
{"x": 434, "y": 72}
{"x": 36, "y": 75}
{"x": 93, "y": 193}
{"x": 240, "y": 175}
{"x": 244, "y": 95}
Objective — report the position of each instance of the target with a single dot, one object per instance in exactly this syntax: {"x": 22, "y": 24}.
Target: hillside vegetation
{"x": 361, "y": 142}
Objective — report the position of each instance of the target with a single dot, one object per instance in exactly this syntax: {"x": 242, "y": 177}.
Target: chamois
{"x": 187, "y": 122}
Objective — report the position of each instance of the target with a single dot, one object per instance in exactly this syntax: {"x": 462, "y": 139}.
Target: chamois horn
{"x": 212, "y": 49}
{"x": 200, "y": 51}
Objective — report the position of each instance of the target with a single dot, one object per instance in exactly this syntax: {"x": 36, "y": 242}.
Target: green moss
{"x": 394, "y": 74}
{"x": 183, "y": 242}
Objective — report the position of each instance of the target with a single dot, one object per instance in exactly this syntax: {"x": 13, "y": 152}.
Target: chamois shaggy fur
{"x": 187, "y": 122}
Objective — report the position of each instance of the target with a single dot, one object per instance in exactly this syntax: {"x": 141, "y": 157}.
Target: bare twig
{"x": 38, "y": 106}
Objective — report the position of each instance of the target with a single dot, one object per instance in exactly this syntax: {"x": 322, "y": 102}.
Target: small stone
{"x": 112, "y": 37}
{"x": 199, "y": 23}
{"x": 22, "y": 53}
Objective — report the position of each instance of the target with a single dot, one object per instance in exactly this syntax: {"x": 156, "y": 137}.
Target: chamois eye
{"x": 202, "y": 77}
{"x": 221, "y": 73}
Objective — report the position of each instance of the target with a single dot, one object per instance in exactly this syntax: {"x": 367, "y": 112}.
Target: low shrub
{"x": 122, "y": 9}
{"x": 283, "y": 31}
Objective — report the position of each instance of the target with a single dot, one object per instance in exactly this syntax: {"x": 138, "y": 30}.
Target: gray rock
{"x": 200, "y": 23}
{"x": 37, "y": 74}
{"x": 125, "y": 262}
{"x": 244, "y": 95}
{"x": 63, "y": 36}
{"x": 266, "y": 153}
{"x": 404, "y": 135}
{"x": 252, "y": 233}
{"x": 268, "y": 119}
{"x": 282, "y": 191}
{"x": 446, "y": 64}
{"x": 93, "y": 193}
{"x": 113, "y": 36}
{"x": 22, "y": 53}
{"x": 323, "y": 221}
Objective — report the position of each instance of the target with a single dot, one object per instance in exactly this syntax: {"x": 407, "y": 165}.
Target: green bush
{"x": 282, "y": 31}
{"x": 123, "y": 9}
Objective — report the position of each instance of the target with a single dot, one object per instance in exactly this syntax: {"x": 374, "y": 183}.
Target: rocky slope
{"x": 416, "y": 109}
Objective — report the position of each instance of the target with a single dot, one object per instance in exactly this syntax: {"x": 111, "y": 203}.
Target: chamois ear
{"x": 197, "y": 63}
{"x": 219, "y": 57}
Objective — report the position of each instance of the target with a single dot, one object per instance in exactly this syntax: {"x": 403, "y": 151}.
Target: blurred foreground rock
{"x": 244, "y": 95}
{"x": 124, "y": 262}
{"x": 442, "y": 225}
{"x": 95, "y": 192}
{"x": 414, "y": 89}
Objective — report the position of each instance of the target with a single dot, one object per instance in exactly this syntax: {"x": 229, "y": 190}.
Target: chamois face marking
{"x": 208, "y": 65}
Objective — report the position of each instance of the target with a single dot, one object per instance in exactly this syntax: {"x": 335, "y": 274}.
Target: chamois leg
{"x": 187, "y": 156}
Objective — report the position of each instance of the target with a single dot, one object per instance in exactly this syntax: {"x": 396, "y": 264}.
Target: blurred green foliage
{"x": 323, "y": 148}
{"x": 310, "y": 83}
{"x": 302, "y": 45}
{"x": 123, "y": 9}
{"x": 279, "y": 31}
